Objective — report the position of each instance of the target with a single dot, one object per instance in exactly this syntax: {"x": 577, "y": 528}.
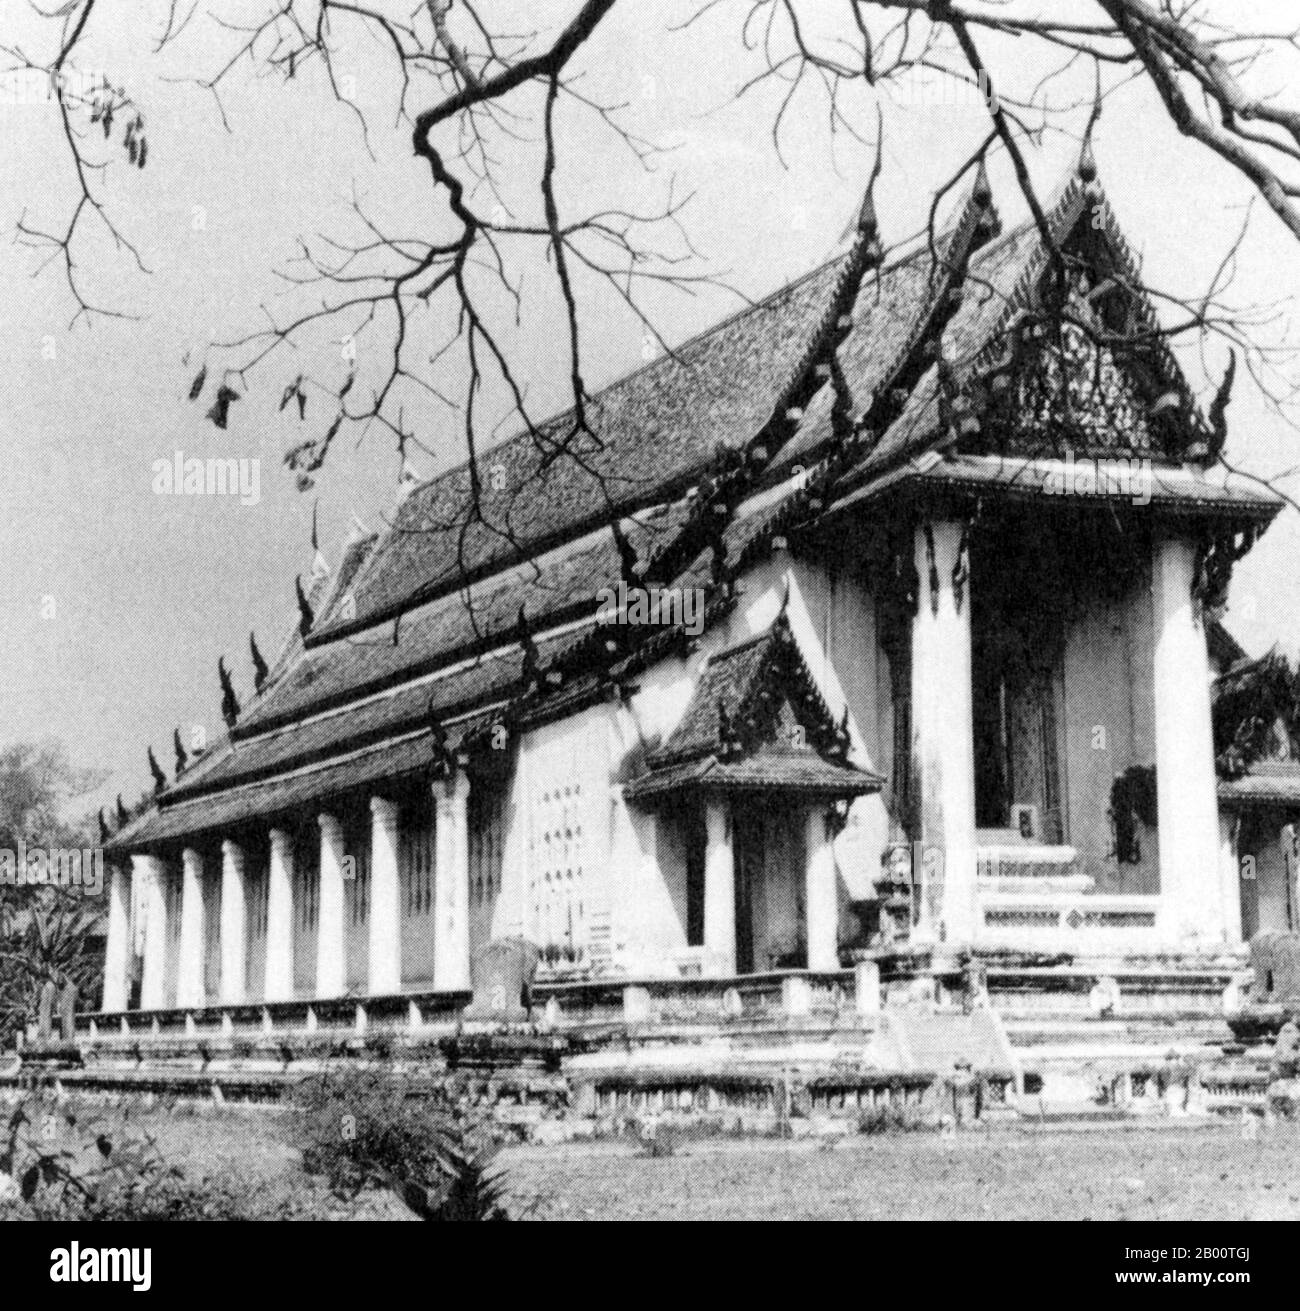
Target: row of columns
{"x": 821, "y": 890}
{"x": 1192, "y": 898}
{"x": 450, "y": 911}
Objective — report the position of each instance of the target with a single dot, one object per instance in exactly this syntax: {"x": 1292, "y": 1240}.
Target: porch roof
{"x": 757, "y": 721}
{"x": 1267, "y": 783}
{"x": 1187, "y": 490}
{"x": 315, "y": 785}
{"x": 788, "y": 770}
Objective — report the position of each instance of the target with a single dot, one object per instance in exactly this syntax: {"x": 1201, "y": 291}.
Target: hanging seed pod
{"x": 291, "y": 391}
{"x": 220, "y": 411}
{"x": 197, "y": 385}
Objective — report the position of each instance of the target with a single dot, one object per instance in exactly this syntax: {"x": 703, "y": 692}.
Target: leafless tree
{"x": 467, "y": 76}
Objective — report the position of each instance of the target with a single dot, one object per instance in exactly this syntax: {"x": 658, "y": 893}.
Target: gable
{"x": 756, "y": 696}
{"x": 1077, "y": 363}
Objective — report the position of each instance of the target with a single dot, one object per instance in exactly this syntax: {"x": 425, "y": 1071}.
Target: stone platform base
{"x": 915, "y": 1036}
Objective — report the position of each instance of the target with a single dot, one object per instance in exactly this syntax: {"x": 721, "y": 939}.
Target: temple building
{"x": 920, "y": 563}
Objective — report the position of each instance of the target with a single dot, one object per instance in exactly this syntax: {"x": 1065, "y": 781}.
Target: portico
{"x": 755, "y": 781}
{"x": 1016, "y": 792}
{"x": 259, "y": 963}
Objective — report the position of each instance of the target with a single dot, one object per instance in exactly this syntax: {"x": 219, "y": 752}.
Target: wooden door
{"x": 749, "y": 856}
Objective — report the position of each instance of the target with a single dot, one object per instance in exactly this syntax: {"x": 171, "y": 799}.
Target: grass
{"x": 1019, "y": 1171}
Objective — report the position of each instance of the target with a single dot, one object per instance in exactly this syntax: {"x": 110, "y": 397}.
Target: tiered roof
{"x": 870, "y": 376}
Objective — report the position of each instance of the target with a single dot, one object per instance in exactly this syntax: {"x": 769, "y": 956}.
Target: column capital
{"x": 384, "y": 811}
{"x": 281, "y": 841}
{"x": 330, "y": 824}
{"x": 231, "y": 849}
{"x": 191, "y": 858}
{"x": 454, "y": 789}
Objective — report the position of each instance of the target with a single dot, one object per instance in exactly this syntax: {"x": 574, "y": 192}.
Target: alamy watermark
{"x": 39, "y": 86}
{"x": 1121, "y": 475}
{"x": 215, "y": 476}
{"x": 59, "y": 867}
{"x": 675, "y": 607}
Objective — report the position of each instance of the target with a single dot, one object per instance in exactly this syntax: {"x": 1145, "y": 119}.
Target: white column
{"x": 1230, "y": 878}
{"x": 234, "y": 925}
{"x": 189, "y": 978}
{"x": 385, "y": 973}
{"x": 451, "y": 885}
{"x": 153, "y": 985}
{"x": 943, "y": 734}
{"x": 821, "y": 893}
{"x": 278, "y": 985}
{"x": 719, "y": 888}
{"x": 331, "y": 942}
{"x": 1186, "y": 793}
{"x": 117, "y": 954}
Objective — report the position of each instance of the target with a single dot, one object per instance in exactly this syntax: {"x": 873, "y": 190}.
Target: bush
{"x": 359, "y": 1128}
{"x": 889, "y": 1119}
{"x": 105, "y": 1169}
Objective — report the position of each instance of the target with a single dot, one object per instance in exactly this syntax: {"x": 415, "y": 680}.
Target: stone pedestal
{"x": 796, "y": 998}
{"x": 502, "y": 975}
{"x": 866, "y": 988}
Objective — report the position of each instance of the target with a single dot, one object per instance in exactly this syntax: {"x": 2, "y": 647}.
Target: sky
{"x": 116, "y": 600}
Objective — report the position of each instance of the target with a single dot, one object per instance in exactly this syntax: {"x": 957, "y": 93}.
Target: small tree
{"x": 47, "y": 934}
{"x": 359, "y": 1128}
